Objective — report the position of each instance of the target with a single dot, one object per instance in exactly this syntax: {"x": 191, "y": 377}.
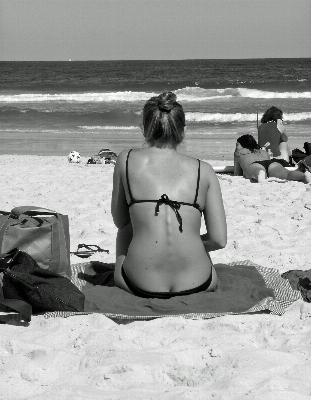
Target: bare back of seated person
{"x": 158, "y": 199}
{"x": 160, "y": 256}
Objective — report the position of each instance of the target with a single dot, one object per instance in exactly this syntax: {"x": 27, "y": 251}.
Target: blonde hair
{"x": 163, "y": 120}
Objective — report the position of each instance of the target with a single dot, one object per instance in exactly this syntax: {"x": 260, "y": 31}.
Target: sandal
{"x": 88, "y": 251}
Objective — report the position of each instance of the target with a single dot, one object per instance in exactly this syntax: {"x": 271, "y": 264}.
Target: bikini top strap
{"x": 127, "y": 176}
{"x": 198, "y": 183}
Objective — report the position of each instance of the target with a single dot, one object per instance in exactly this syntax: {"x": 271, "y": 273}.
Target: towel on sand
{"x": 243, "y": 287}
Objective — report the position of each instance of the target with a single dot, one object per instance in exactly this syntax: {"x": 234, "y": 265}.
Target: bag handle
{"x": 20, "y": 306}
{"x": 32, "y": 211}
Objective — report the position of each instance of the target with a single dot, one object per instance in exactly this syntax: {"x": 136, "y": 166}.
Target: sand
{"x": 93, "y": 357}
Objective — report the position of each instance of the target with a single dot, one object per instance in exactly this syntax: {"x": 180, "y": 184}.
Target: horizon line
{"x": 177, "y": 59}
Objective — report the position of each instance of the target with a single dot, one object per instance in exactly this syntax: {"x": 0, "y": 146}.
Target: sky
{"x": 39, "y": 30}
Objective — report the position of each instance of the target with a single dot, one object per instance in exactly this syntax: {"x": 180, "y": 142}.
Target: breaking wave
{"x": 188, "y": 94}
{"x": 239, "y": 117}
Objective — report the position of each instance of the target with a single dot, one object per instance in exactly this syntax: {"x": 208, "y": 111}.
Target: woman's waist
{"x": 161, "y": 275}
{"x": 146, "y": 219}
{"x": 162, "y": 259}
{"x": 167, "y": 266}
{"x": 157, "y": 244}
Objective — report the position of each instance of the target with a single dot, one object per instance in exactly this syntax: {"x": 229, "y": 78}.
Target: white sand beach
{"x": 258, "y": 356}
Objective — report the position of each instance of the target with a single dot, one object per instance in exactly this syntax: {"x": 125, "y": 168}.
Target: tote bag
{"x": 41, "y": 233}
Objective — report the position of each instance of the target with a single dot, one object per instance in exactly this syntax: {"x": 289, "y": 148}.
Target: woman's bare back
{"x": 160, "y": 256}
{"x": 157, "y": 209}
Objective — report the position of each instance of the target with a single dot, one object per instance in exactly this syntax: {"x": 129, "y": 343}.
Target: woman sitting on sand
{"x": 255, "y": 164}
{"x": 157, "y": 201}
{"x": 272, "y": 131}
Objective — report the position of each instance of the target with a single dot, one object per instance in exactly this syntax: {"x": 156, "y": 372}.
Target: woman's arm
{"x": 214, "y": 214}
{"x": 238, "y": 171}
{"x": 281, "y": 128}
{"x": 119, "y": 207}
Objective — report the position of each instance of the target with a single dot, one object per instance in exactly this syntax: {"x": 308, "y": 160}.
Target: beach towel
{"x": 243, "y": 287}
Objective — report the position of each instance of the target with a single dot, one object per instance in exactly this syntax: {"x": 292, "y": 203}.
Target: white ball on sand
{"x": 74, "y": 157}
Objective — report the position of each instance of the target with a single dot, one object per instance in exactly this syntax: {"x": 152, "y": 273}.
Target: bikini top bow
{"x": 175, "y": 205}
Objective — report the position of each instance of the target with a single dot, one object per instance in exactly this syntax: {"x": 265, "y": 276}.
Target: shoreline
{"x": 218, "y": 147}
{"x": 83, "y": 163}
{"x": 90, "y": 143}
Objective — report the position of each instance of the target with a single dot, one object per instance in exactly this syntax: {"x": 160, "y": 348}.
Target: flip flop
{"x": 88, "y": 250}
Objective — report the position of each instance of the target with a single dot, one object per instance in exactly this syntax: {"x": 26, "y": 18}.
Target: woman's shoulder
{"x": 206, "y": 166}
{"x": 122, "y": 157}
{"x": 121, "y": 161}
{"x": 196, "y": 163}
{"x": 124, "y": 153}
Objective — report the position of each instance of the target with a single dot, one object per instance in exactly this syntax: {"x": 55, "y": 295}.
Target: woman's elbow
{"x": 213, "y": 244}
{"x": 221, "y": 243}
{"x": 220, "y": 240}
{"x": 120, "y": 222}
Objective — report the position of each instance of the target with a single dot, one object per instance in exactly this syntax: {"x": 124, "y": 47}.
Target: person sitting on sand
{"x": 272, "y": 131}
{"x": 158, "y": 198}
{"x": 255, "y": 164}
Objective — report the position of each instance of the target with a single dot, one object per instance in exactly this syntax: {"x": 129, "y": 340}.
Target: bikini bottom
{"x": 164, "y": 295}
{"x": 266, "y": 163}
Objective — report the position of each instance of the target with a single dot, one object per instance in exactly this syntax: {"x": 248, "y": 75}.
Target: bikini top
{"x": 164, "y": 199}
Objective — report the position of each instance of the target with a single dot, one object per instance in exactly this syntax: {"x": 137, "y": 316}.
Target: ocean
{"x": 52, "y": 108}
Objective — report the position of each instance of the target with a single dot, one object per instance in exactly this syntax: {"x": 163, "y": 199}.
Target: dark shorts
{"x": 164, "y": 295}
{"x": 266, "y": 163}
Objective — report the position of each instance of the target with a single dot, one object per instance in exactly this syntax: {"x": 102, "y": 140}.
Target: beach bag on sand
{"x": 107, "y": 154}
{"x": 95, "y": 160}
{"x": 28, "y": 288}
{"x": 298, "y": 155}
{"x": 42, "y": 233}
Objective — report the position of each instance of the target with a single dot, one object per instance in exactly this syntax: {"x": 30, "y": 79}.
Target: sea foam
{"x": 109, "y": 128}
{"x": 188, "y": 94}
{"x": 239, "y": 117}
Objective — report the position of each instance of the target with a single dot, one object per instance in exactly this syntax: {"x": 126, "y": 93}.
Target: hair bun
{"x": 166, "y": 101}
